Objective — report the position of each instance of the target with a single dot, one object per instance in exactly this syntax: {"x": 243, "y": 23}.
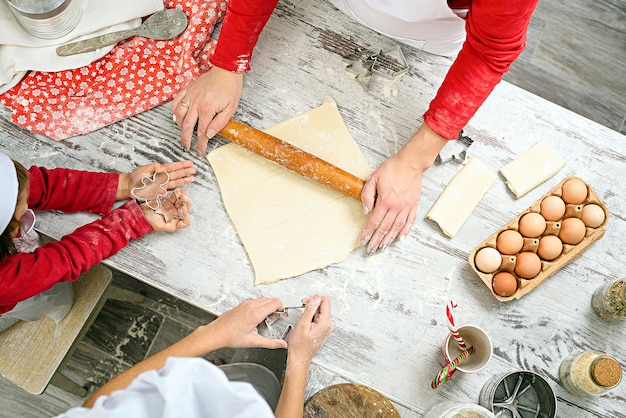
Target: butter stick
{"x": 532, "y": 168}
{"x": 461, "y": 196}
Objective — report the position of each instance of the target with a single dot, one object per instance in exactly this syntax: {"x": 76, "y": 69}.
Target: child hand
{"x": 180, "y": 173}
{"x": 158, "y": 221}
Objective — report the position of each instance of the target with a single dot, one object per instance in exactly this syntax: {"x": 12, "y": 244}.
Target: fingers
{"x": 186, "y": 221}
{"x": 388, "y": 229}
{"x": 216, "y": 123}
{"x": 185, "y": 116}
{"x": 409, "y": 223}
{"x": 180, "y": 173}
{"x": 368, "y": 195}
{"x": 272, "y": 343}
{"x": 188, "y": 125}
{"x": 264, "y": 307}
{"x": 312, "y": 306}
{"x": 324, "y": 309}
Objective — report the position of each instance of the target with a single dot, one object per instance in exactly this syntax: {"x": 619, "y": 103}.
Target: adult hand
{"x": 209, "y": 101}
{"x": 311, "y": 331}
{"x": 180, "y": 173}
{"x": 392, "y": 192}
{"x": 158, "y": 221}
{"x": 238, "y": 326}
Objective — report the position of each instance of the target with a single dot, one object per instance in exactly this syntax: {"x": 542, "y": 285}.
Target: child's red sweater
{"x": 24, "y": 275}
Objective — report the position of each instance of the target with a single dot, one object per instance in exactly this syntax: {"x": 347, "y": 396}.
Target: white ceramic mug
{"x": 472, "y": 336}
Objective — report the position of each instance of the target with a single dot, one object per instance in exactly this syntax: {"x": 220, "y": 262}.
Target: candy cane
{"x": 449, "y": 307}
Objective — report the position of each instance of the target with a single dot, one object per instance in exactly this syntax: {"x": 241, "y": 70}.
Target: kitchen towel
{"x": 21, "y": 52}
{"x": 137, "y": 75}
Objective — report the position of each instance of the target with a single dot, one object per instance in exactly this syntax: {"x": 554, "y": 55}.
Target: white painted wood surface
{"x": 389, "y": 309}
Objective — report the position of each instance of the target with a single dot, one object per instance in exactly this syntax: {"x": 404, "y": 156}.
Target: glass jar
{"x": 590, "y": 373}
{"x": 609, "y": 301}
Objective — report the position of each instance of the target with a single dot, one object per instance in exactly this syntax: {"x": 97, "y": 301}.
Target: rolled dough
{"x": 532, "y": 168}
{"x": 288, "y": 224}
{"x": 461, "y": 196}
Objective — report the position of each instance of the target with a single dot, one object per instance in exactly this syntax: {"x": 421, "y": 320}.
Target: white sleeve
{"x": 184, "y": 387}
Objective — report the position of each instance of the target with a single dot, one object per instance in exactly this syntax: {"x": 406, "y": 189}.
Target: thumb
{"x": 368, "y": 195}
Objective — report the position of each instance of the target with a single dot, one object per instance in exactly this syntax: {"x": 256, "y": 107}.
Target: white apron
{"x": 428, "y": 25}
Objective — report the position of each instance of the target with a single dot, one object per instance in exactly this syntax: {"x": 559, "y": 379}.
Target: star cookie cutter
{"x": 153, "y": 188}
{"x": 363, "y": 63}
{"x": 170, "y": 206}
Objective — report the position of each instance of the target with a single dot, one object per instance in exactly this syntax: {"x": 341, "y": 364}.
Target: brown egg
{"x": 552, "y": 208}
{"x": 593, "y": 215}
{"x": 487, "y": 260}
{"x": 574, "y": 191}
{"x": 509, "y": 242}
{"x": 504, "y": 284}
{"x": 550, "y": 247}
{"x": 532, "y": 224}
{"x": 527, "y": 265}
{"x": 572, "y": 231}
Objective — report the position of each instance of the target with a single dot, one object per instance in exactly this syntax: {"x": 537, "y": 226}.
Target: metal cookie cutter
{"x": 170, "y": 207}
{"x": 155, "y": 195}
{"x": 390, "y": 64}
{"x": 455, "y": 150}
{"x": 152, "y": 188}
{"x": 272, "y": 327}
{"x": 360, "y": 63}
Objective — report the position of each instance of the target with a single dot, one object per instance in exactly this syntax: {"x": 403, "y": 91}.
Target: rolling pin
{"x": 293, "y": 158}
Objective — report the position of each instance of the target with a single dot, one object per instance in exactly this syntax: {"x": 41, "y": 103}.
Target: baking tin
{"x": 47, "y": 19}
{"x": 520, "y": 393}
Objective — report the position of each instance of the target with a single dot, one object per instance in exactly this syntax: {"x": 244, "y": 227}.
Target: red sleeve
{"x": 496, "y": 36}
{"x": 240, "y": 31}
{"x": 71, "y": 190}
{"x": 24, "y": 275}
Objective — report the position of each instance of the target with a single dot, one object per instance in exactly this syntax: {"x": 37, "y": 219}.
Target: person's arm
{"x": 210, "y": 100}
{"x": 68, "y": 190}
{"x": 496, "y": 35}
{"x": 23, "y": 275}
{"x": 234, "y": 328}
{"x": 307, "y": 337}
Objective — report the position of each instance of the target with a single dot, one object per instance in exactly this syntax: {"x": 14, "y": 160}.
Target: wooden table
{"x": 389, "y": 308}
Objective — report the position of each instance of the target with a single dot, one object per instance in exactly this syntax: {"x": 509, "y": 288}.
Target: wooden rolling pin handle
{"x": 293, "y": 158}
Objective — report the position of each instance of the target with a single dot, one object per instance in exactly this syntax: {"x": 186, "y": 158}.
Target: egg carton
{"x": 548, "y": 268}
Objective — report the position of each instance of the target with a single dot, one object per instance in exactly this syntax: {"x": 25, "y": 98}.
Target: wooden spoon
{"x": 162, "y": 25}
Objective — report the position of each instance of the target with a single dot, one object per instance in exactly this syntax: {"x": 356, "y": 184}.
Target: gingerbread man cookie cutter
{"x": 152, "y": 188}
{"x": 155, "y": 195}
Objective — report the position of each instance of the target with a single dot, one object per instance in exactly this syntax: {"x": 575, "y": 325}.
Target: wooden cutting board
{"x": 349, "y": 400}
